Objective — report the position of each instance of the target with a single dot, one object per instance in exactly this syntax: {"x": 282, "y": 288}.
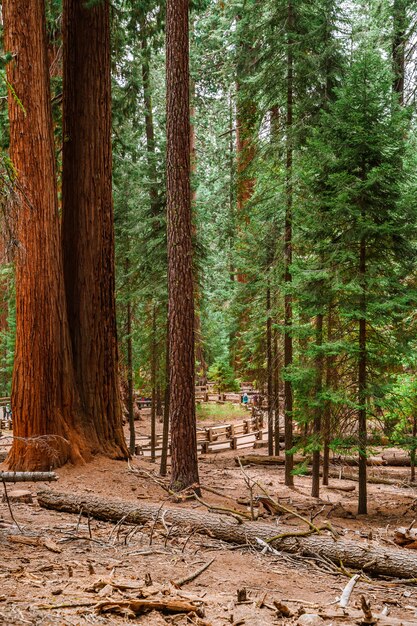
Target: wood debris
{"x": 406, "y": 537}
{"x": 132, "y": 608}
{"x": 35, "y": 541}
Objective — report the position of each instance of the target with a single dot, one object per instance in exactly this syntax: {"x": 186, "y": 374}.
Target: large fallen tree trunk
{"x": 27, "y": 477}
{"x": 259, "y": 459}
{"x": 366, "y": 556}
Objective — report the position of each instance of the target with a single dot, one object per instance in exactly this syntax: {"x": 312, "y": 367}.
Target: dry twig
{"x": 187, "y": 579}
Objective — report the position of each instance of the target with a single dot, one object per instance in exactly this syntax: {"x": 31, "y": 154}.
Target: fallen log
{"x": 259, "y": 459}
{"x": 339, "y": 473}
{"x": 131, "y": 608}
{"x": 27, "y": 477}
{"x": 397, "y": 460}
{"x": 365, "y": 556}
{"x": 345, "y": 488}
{"x": 371, "y": 461}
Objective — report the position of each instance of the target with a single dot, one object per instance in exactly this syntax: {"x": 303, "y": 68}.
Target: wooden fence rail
{"x": 244, "y": 434}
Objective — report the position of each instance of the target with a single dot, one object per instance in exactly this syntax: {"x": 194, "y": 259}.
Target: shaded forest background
{"x": 303, "y": 153}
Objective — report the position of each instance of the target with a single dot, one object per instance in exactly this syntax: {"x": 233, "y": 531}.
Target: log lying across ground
{"x": 370, "y": 557}
{"x": 260, "y": 459}
{"x": 27, "y": 477}
{"x": 397, "y": 460}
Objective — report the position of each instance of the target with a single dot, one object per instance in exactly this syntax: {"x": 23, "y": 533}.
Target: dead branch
{"x": 137, "y": 607}
{"x": 35, "y": 541}
{"x": 347, "y": 591}
{"x": 237, "y": 515}
{"x": 182, "y": 581}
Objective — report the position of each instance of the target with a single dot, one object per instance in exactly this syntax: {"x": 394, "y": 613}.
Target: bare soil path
{"x": 98, "y": 560}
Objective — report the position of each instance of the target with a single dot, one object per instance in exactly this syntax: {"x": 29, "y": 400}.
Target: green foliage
{"x": 8, "y": 332}
{"x": 353, "y": 178}
{"x": 220, "y": 412}
{"x": 222, "y": 374}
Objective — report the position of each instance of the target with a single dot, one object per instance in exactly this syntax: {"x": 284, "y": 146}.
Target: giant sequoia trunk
{"x": 180, "y": 262}
{"x": 87, "y": 222}
{"x": 360, "y": 555}
{"x": 46, "y": 411}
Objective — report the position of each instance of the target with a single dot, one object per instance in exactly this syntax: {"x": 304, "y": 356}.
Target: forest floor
{"x": 41, "y": 586}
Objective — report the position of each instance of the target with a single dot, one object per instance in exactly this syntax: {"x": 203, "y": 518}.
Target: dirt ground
{"x": 40, "y": 586}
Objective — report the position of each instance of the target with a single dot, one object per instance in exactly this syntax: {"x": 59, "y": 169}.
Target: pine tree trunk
{"x": 132, "y": 434}
{"x": 165, "y": 427}
{"x": 315, "y": 486}
{"x": 159, "y": 409}
{"x": 413, "y": 449}
{"x": 180, "y": 261}
{"x": 328, "y": 406}
{"x": 288, "y": 347}
{"x": 277, "y": 391}
{"x": 153, "y": 383}
{"x": 269, "y": 368}
{"x": 275, "y": 122}
{"x": 45, "y": 404}
{"x": 362, "y": 382}
{"x": 87, "y": 221}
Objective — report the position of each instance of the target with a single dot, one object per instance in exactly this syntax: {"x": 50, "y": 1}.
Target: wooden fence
{"x": 5, "y": 413}
{"x": 249, "y": 433}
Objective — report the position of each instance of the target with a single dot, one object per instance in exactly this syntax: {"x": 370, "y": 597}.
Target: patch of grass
{"x": 220, "y": 412}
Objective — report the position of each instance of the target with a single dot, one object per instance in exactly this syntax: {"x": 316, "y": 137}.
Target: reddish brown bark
{"x": 44, "y": 399}
{"x": 87, "y": 223}
{"x": 180, "y": 262}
